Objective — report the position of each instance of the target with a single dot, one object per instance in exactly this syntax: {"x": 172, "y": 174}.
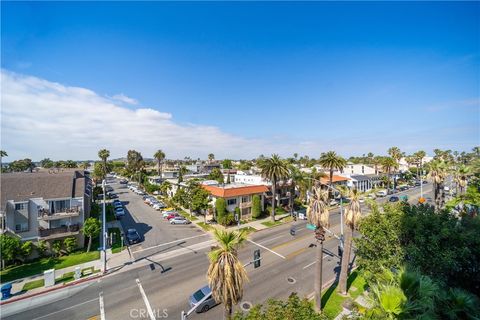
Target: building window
{"x": 20, "y": 206}
{"x": 21, "y": 227}
{"x": 363, "y": 170}
{"x": 231, "y": 202}
{"x": 246, "y": 199}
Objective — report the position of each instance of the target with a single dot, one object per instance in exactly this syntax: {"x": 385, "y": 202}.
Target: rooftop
{"x": 235, "y": 190}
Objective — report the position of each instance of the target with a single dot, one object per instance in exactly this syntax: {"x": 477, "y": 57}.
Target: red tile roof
{"x": 335, "y": 178}
{"x": 235, "y": 191}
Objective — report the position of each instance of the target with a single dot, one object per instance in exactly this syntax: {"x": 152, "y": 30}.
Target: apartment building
{"x": 45, "y": 205}
{"x": 238, "y": 195}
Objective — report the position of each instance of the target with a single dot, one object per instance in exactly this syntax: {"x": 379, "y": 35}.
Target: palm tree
{"x": 181, "y": 173}
{"x": 211, "y": 157}
{"x": 318, "y": 215}
{"x": 353, "y": 214}
{"x": 461, "y": 175}
{"x": 396, "y": 154}
{"x": 3, "y": 154}
{"x": 274, "y": 169}
{"x": 419, "y": 155}
{"x": 159, "y": 156}
{"x": 389, "y": 164}
{"x": 85, "y": 165}
{"x": 226, "y": 274}
{"x": 104, "y": 154}
{"x": 376, "y": 161}
{"x": 438, "y": 171}
{"x": 332, "y": 161}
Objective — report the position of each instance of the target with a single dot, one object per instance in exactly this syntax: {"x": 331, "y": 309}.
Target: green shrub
{"x": 256, "y": 206}
{"x": 70, "y": 244}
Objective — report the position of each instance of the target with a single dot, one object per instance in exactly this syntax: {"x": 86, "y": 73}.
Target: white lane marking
{"x": 164, "y": 244}
{"x": 71, "y": 307}
{"x": 311, "y": 264}
{"x": 268, "y": 240}
{"x": 147, "y": 304}
{"x": 258, "y": 244}
{"x": 102, "y": 308}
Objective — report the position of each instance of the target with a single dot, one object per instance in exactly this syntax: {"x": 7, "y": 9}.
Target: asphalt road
{"x": 158, "y": 235}
{"x": 131, "y": 294}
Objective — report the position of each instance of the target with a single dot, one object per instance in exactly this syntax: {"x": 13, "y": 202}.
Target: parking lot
{"x": 157, "y": 234}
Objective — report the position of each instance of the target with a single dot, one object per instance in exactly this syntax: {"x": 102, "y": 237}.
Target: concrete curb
{"x": 70, "y": 284}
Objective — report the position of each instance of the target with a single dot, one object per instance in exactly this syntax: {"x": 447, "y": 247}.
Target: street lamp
{"x": 104, "y": 232}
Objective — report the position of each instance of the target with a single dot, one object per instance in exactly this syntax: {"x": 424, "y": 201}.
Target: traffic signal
{"x": 340, "y": 251}
{"x": 256, "y": 258}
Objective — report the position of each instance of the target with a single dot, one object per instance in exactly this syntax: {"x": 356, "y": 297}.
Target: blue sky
{"x": 278, "y": 77}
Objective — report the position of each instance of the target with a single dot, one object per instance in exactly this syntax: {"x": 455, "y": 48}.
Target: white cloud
{"x": 123, "y": 98}
{"x": 46, "y": 119}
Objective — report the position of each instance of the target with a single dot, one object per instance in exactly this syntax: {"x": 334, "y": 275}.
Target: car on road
{"x": 199, "y": 295}
{"x": 166, "y": 213}
{"x": 179, "y": 220}
{"x": 112, "y": 195}
{"x": 117, "y": 204}
{"x": 119, "y": 212}
{"x": 132, "y": 236}
{"x": 381, "y": 193}
{"x": 123, "y": 181}
{"x": 417, "y": 184}
{"x": 173, "y": 215}
{"x": 393, "y": 199}
{"x": 425, "y": 182}
{"x": 403, "y": 188}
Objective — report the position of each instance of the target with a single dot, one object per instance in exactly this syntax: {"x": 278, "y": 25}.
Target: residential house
{"x": 45, "y": 205}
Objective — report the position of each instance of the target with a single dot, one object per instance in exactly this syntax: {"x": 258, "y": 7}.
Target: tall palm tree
{"x": 419, "y": 155}
{"x": 211, "y": 157}
{"x": 332, "y": 161}
{"x": 159, "y": 156}
{"x": 438, "y": 171}
{"x": 274, "y": 169}
{"x": 396, "y": 154}
{"x": 353, "y": 214}
{"x": 226, "y": 275}
{"x": 461, "y": 176}
{"x": 376, "y": 161}
{"x": 104, "y": 154}
{"x": 85, "y": 165}
{"x": 318, "y": 215}
{"x": 3, "y": 154}
{"x": 389, "y": 164}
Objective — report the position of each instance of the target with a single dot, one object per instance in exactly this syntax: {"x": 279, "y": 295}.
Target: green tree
{"x": 181, "y": 173}
{"x": 226, "y": 274}
{"x": 3, "y": 154}
{"x": 389, "y": 165}
{"x": 438, "y": 172}
{"x": 165, "y": 187}
{"x": 198, "y": 198}
{"x": 135, "y": 164}
{"x": 461, "y": 175}
{"x": 292, "y": 309}
{"x": 318, "y": 215}
{"x": 9, "y": 247}
{"x": 159, "y": 156}
{"x": 26, "y": 249}
{"x": 227, "y": 164}
{"x": 104, "y": 154}
{"x": 217, "y": 175}
{"x": 22, "y": 165}
{"x": 332, "y": 162}
{"x": 41, "y": 248}
{"x": 256, "y": 206}
{"x": 211, "y": 157}
{"x": 70, "y": 244}
{"x": 91, "y": 228}
{"x": 221, "y": 210}
{"x": 57, "y": 248}
{"x": 274, "y": 169}
{"x": 46, "y": 163}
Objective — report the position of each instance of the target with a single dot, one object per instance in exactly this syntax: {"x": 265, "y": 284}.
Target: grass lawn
{"x": 277, "y": 222}
{"x": 332, "y": 300}
{"x": 117, "y": 245}
{"x": 37, "y": 267}
{"x": 33, "y": 284}
{"x": 248, "y": 230}
{"x": 204, "y": 226}
{"x": 187, "y": 215}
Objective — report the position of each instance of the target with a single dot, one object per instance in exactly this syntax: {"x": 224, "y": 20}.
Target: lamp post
{"x": 104, "y": 232}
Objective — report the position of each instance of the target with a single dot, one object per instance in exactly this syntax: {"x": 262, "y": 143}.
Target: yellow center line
{"x": 295, "y": 253}
{"x": 311, "y": 235}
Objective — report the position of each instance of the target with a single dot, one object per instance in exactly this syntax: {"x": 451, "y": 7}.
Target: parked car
{"x": 173, "y": 215}
{"x": 425, "y": 182}
{"x": 417, "y": 184}
{"x": 361, "y": 200}
{"x": 371, "y": 196}
{"x": 199, "y": 295}
{"x": 112, "y": 195}
{"x": 166, "y": 213}
{"x": 117, "y": 204}
{"x": 403, "y": 188}
{"x": 179, "y": 220}
{"x": 123, "y": 181}
{"x": 404, "y": 198}
{"x": 381, "y": 193}
{"x": 333, "y": 202}
{"x": 119, "y": 212}
{"x": 393, "y": 199}
{"x": 132, "y": 236}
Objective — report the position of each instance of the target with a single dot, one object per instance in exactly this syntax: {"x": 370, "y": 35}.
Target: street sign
{"x": 311, "y": 226}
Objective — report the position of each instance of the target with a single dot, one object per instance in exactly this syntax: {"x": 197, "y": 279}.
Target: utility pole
{"x": 104, "y": 232}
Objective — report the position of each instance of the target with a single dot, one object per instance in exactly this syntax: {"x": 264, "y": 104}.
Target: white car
{"x": 361, "y": 200}
{"x": 381, "y": 193}
{"x": 179, "y": 220}
{"x": 165, "y": 214}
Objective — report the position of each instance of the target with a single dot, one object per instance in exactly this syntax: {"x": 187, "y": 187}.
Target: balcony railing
{"x": 245, "y": 204}
{"x": 59, "y": 231}
{"x": 46, "y": 214}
